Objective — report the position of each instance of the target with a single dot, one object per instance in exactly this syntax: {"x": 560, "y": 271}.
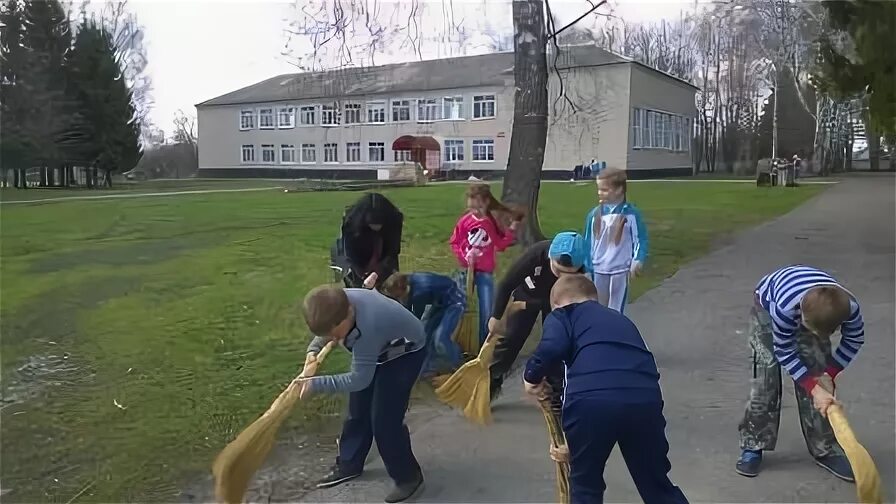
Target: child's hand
{"x": 310, "y": 365}
{"x": 540, "y": 391}
{"x": 514, "y": 225}
{"x": 636, "y": 269}
{"x": 822, "y": 399}
{"x": 827, "y": 383}
{"x": 304, "y": 388}
{"x": 559, "y": 454}
{"x": 472, "y": 254}
{"x": 370, "y": 281}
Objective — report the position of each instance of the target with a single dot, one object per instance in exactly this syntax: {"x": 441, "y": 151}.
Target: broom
{"x": 557, "y": 440}
{"x": 467, "y": 334}
{"x": 238, "y": 461}
{"x": 867, "y": 477}
{"x": 468, "y": 389}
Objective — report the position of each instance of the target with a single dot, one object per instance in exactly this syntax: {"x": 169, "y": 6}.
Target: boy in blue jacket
{"x": 616, "y": 237}
{"x": 612, "y": 394}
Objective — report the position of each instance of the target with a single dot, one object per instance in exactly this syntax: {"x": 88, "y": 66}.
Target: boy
{"x": 612, "y": 394}
{"x": 617, "y": 240}
{"x": 795, "y": 311}
{"x": 446, "y": 301}
{"x": 387, "y": 344}
{"x": 530, "y": 280}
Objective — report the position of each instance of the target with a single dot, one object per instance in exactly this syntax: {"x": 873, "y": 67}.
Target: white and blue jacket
{"x": 606, "y": 256}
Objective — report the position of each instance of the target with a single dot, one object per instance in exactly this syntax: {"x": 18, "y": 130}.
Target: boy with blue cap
{"x": 530, "y": 280}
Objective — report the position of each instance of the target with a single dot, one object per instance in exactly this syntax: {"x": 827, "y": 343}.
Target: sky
{"x": 200, "y": 49}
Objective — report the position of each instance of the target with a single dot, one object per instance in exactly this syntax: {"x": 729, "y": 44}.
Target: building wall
{"x": 652, "y": 91}
{"x": 593, "y": 124}
{"x": 220, "y": 147}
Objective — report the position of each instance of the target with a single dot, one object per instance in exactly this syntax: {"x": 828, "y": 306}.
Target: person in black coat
{"x": 371, "y": 240}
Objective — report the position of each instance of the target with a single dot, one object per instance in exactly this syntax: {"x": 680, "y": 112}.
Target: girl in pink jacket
{"x": 477, "y": 238}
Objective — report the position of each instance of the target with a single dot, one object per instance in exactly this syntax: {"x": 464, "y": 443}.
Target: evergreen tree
{"x": 14, "y": 146}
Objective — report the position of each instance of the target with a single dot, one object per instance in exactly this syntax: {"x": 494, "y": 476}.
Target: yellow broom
{"x": 867, "y": 477}
{"x": 468, "y": 389}
{"x": 239, "y": 460}
{"x": 467, "y": 334}
{"x": 557, "y": 439}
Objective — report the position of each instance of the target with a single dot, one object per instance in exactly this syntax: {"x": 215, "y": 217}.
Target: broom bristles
{"x": 467, "y": 334}
{"x": 555, "y": 431}
{"x": 241, "y": 458}
{"x": 866, "y": 474}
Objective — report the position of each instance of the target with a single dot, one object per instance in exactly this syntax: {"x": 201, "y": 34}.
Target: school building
{"x": 454, "y": 116}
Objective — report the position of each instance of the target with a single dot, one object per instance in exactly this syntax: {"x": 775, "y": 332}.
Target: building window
{"x": 268, "y": 154}
{"x": 247, "y": 119}
{"x": 454, "y": 151}
{"x": 676, "y": 133}
{"x": 667, "y": 131}
{"x": 401, "y": 110}
{"x": 308, "y": 115}
{"x": 353, "y": 152}
{"x": 331, "y": 153}
{"x": 376, "y": 152}
{"x": 248, "y": 154}
{"x": 636, "y": 128}
{"x": 352, "y": 112}
{"x": 287, "y": 154}
{"x": 266, "y": 118}
{"x": 645, "y": 130}
{"x": 453, "y": 107}
{"x": 402, "y": 156}
{"x": 376, "y": 112}
{"x": 483, "y": 150}
{"x": 427, "y": 110}
{"x": 329, "y": 115}
{"x": 286, "y": 117}
{"x": 687, "y": 134}
{"x": 309, "y": 153}
{"x": 483, "y": 107}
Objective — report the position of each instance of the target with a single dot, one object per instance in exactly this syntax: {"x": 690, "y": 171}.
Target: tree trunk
{"x": 23, "y": 178}
{"x": 529, "y": 133}
{"x": 51, "y": 177}
{"x": 850, "y": 142}
{"x": 43, "y": 177}
{"x": 107, "y": 178}
{"x": 873, "y": 148}
{"x": 891, "y": 146}
{"x": 775, "y": 118}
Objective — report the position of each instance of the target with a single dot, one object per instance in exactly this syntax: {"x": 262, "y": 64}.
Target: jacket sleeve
{"x": 352, "y": 252}
{"x": 852, "y": 338}
{"x": 358, "y": 378}
{"x": 784, "y": 344}
{"x": 554, "y": 347}
{"x": 515, "y": 276}
{"x": 458, "y": 241}
{"x": 316, "y": 345}
{"x": 502, "y": 238}
{"x": 392, "y": 240}
{"x": 640, "y": 243}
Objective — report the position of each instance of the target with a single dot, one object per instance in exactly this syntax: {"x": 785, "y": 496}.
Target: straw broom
{"x": 867, "y": 477}
{"x": 238, "y": 461}
{"x": 467, "y": 334}
{"x": 468, "y": 389}
{"x": 557, "y": 439}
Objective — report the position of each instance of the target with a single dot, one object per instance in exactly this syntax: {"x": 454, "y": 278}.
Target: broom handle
{"x": 318, "y": 360}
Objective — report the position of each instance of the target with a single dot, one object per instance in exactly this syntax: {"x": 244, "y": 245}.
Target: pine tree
{"x": 14, "y": 146}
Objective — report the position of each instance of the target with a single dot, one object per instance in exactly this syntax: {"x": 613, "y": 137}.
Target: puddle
{"x": 31, "y": 379}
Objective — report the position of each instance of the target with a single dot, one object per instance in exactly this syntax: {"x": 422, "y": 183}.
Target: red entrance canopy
{"x": 411, "y": 142}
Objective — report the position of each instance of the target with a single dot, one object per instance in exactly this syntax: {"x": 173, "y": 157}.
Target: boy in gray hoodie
{"x": 388, "y": 347}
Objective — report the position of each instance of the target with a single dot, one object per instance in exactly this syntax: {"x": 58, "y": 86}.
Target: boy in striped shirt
{"x": 796, "y": 311}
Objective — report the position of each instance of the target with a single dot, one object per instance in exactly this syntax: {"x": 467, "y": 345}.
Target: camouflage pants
{"x": 759, "y": 427}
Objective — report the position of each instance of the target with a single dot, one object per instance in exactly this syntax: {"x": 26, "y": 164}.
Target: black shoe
{"x": 838, "y": 465}
{"x": 748, "y": 463}
{"x": 494, "y": 391}
{"x": 337, "y": 477}
{"x": 405, "y": 491}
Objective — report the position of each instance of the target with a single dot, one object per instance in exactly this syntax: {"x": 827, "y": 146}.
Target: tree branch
{"x": 592, "y": 9}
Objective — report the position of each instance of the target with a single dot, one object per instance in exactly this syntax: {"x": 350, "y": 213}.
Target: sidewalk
{"x": 695, "y": 324}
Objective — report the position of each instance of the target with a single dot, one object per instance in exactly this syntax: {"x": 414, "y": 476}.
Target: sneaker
{"x": 837, "y": 465}
{"x": 405, "y": 491}
{"x": 336, "y": 477}
{"x": 748, "y": 463}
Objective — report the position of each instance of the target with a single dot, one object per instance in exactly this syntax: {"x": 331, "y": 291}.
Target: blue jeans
{"x": 440, "y": 322}
{"x": 377, "y": 412}
{"x": 485, "y": 290}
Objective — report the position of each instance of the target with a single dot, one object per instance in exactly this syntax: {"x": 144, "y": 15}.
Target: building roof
{"x": 448, "y": 73}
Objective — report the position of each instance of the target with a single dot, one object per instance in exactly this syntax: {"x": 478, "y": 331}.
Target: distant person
{"x": 371, "y": 239}
{"x": 616, "y": 237}
{"x": 797, "y": 164}
{"x": 612, "y": 395}
{"x": 595, "y": 167}
{"x": 795, "y": 312}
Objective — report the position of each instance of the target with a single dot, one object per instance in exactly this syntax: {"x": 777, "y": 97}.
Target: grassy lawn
{"x": 138, "y": 335}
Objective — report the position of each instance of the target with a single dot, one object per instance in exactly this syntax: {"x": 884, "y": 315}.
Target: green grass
{"x": 182, "y": 311}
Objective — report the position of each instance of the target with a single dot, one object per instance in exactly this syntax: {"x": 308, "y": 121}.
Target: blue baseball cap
{"x": 570, "y": 244}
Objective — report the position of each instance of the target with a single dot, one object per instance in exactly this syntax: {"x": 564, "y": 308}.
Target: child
{"x": 477, "y": 238}
{"x": 617, "y": 238}
{"x": 447, "y": 302}
{"x": 387, "y": 344}
{"x": 530, "y": 280}
{"x": 795, "y": 312}
{"x": 371, "y": 238}
{"x": 612, "y": 394}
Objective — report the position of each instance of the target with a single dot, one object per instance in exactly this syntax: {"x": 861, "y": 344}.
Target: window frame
{"x": 392, "y": 104}
{"x": 428, "y": 105}
{"x": 273, "y": 114}
{"x": 370, "y": 146}
{"x": 457, "y": 105}
{"x": 335, "y": 151}
{"x": 355, "y": 107}
{"x": 332, "y": 110}
{"x": 483, "y": 142}
{"x": 273, "y": 150}
{"x": 382, "y": 108}
{"x": 451, "y": 146}
{"x": 252, "y": 114}
{"x": 315, "y": 115}
{"x": 288, "y": 147}
{"x": 348, "y": 157}
{"x": 243, "y": 150}
{"x": 636, "y": 128}
{"x": 303, "y": 147}
{"x": 482, "y": 102}
{"x": 292, "y": 115}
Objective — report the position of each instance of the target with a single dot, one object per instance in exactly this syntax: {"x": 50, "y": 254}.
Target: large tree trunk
{"x": 528, "y": 136}
{"x": 107, "y": 178}
{"x": 873, "y": 149}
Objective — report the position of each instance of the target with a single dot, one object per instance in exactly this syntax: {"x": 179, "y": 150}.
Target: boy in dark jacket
{"x": 612, "y": 394}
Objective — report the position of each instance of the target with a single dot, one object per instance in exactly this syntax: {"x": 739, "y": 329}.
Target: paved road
{"x": 694, "y": 323}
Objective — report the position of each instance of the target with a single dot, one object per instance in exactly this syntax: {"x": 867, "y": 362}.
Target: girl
{"x": 446, "y": 301}
{"x": 477, "y": 238}
{"x": 371, "y": 238}
{"x": 617, "y": 238}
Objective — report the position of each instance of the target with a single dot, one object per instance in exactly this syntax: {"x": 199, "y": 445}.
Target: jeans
{"x": 485, "y": 290}
{"x": 440, "y": 322}
{"x": 377, "y": 412}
